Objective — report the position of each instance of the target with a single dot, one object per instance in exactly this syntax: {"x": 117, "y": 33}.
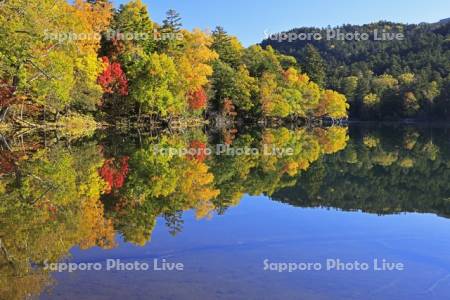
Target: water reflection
{"x": 84, "y": 193}
{"x": 386, "y": 171}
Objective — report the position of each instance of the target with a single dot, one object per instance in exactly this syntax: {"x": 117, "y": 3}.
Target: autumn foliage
{"x": 6, "y": 162}
{"x": 197, "y": 99}
{"x": 99, "y": 231}
{"x": 229, "y": 108}
{"x": 114, "y": 172}
{"x": 113, "y": 80}
{"x": 6, "y": 93}
{"x": 199, "y": 150}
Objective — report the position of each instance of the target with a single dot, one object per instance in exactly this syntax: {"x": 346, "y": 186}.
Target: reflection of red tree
{"x": 229, "y": 136}
{"x": 7, "y": 162}
{"x": 228, "y": 108}
{"x": 198, "y": 149}
{"x": 114, "y": 172}
{"x": 50, "y": 207}
{"x": 113, "y": 79}
{"x": 6, "y": 93}
{"x": 197, "y": 99}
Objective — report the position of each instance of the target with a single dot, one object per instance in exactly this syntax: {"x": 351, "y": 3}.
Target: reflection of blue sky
{"x": 223, "y": 257}
{"x": 248, "y": 19}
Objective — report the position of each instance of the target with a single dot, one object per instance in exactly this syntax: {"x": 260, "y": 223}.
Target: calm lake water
{"x": 233, "y": 208}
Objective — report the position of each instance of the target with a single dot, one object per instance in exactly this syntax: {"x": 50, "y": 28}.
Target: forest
{"x": 73, "y": 63}
{"x": 383, "y": 80}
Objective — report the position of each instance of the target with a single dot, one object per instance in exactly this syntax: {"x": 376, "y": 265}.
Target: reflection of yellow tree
{"x": 305, "y": 149}
{"x": 384, "y": 158}
{"x": 195, "y": 187}
{"x": 268, "y": 172}
{"x": 332, "y": 139}
{"x": 14, "y": 287}
{"x": 163, "y": 183}
{"x": 134, "y": 220}
{"x": 371, "y": 141}
{"x": 410, "y": 140}
{"x": 97, "y": 231}
{"x": 51, "y": 204}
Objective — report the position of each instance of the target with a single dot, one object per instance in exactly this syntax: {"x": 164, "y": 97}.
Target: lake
{"x": 358, "y": 212}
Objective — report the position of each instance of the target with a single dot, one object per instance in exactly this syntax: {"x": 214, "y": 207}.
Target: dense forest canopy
{"x": 87, "y": 57}
{"x": 382, "y": 79}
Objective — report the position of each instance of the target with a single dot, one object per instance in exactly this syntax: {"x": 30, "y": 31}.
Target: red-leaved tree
{"x": 113, "y": 79}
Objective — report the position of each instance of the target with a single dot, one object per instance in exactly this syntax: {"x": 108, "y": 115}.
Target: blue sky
{"x": 248, "y": 20}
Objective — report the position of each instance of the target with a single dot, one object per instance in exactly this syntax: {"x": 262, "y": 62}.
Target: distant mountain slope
{"x": 444, "y": 21}
{"x": 424, "y": 52}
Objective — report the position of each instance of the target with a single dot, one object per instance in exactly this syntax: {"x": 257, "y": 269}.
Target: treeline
{"x": 382, "y": 79}
{"x": 87, "y": 57}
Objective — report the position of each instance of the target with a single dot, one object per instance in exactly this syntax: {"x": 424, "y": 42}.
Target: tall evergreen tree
{"x": 228, "y": 49}
{"x": 313, "y": 65}
{"x": 172, "y": 22}
{"x": 170, "y": 41}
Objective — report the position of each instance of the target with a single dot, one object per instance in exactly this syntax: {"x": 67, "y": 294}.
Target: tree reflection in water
{"x": 84, "y": 193}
